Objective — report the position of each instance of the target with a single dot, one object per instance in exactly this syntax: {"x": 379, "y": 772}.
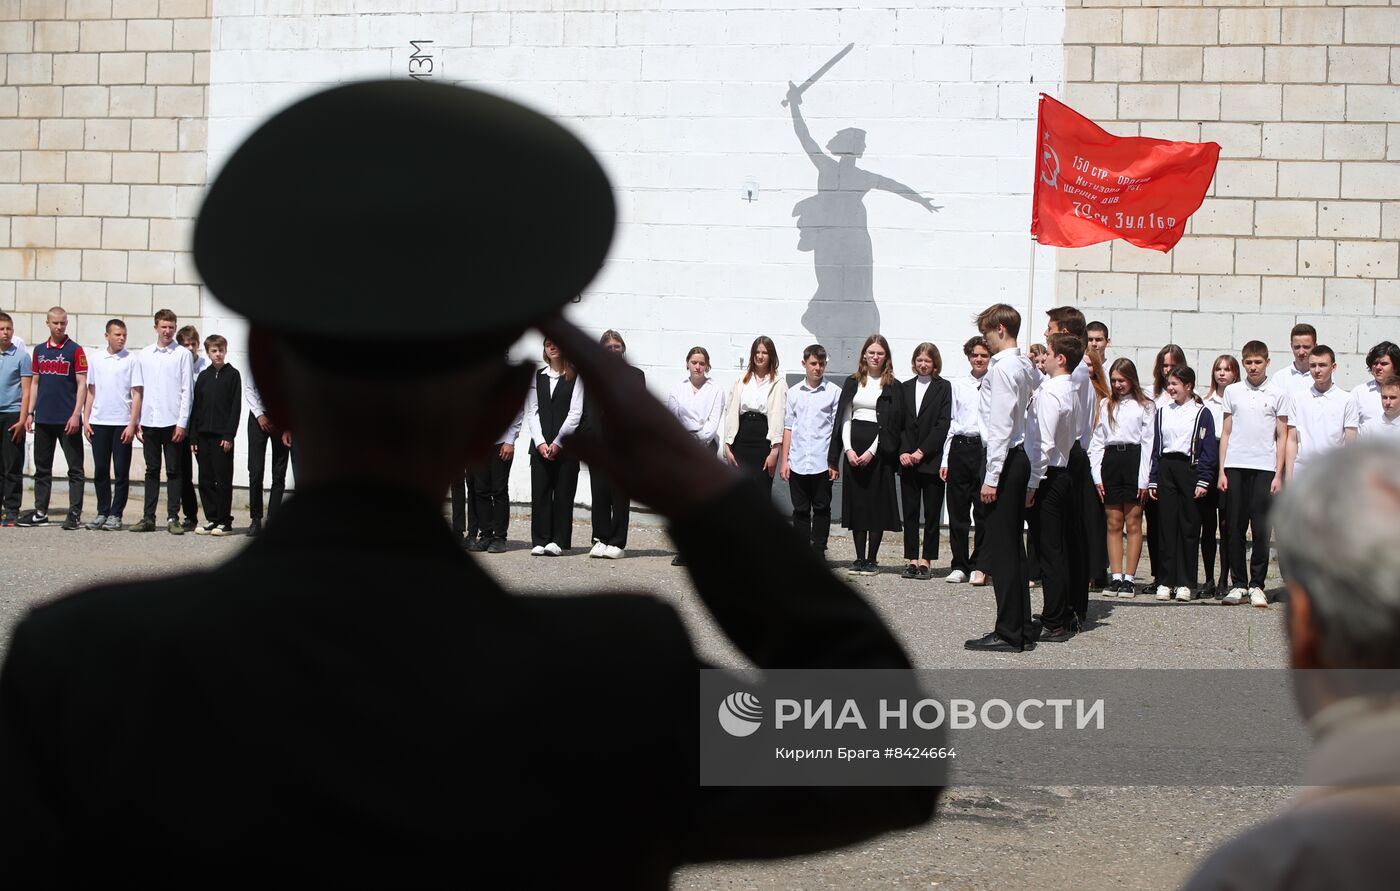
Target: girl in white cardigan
{"x": 753, "y": 414}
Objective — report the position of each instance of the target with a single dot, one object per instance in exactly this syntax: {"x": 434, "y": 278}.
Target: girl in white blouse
{"x": 753, "y": 415}
{"x": 1119, "y": 459}
{"x": 1168, "y": 357}
{"x": 698, "y": 403}
{"x": 1224, "y": 372}
{"x": 553, "y": 409}
{"x": 1183, "y": 469}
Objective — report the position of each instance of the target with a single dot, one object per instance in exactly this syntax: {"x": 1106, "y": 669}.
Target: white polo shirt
{"x": 166, "y": 378}
{"x": 1321, "y": 420}
{"x": 109, "y": 376}
{"x": 1367, "y": 397}
{"x": 1254, "y": 416}
{"x": 1289, "y": 380}
{"x": 1382, "y": 427}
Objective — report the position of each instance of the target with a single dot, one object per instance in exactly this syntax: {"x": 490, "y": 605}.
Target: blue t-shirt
{"x": 14, "y": 365}
{"x": 56, "y": 370}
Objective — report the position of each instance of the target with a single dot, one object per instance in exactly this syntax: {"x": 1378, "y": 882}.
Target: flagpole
{"x": 1030, "y": 288}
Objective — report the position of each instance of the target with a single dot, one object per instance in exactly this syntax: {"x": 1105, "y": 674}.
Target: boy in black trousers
{"x": 218, "y": 402}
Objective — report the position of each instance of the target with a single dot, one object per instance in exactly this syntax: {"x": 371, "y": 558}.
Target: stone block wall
{"x": 102, "y": 160}
{"x": 1303, "y": 220}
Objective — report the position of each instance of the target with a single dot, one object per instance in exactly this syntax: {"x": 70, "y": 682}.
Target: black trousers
{"x": 157, "y": 445}
{"x": 11, "y": 464}
{"x": 1247, "y": 503}
{"x": 811, "y": 507}
{"x": 1005, "y": 551}
{"x": 1179, "y": 519}
{"x": 612, "y": 509}
{"x": 1057, "y": 527}
{"x": 921, "y": 490}
{"x": 188, "y": 501}
{"x": 488, "y": 498}
{"x": 1152, "y": 537}
{"x": 1034, "y": 571}
{"x": 1085, "y": 562}
{"x": 46, "y": 436}
{"x": 111, "y": 458}
{"x": 1213, "y": 532}
{"x": 258, "y": 443}
{"x": 965, "y": 460}
{"x": 552, "y": 488}
{"x": 215, "y": 479}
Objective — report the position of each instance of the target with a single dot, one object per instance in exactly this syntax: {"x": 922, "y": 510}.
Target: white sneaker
{"x": 956, "y": 577}
{"x": 1258, "y": 598}
{"x": 1164, "y": 593}
{"x": 598, "y": 549}
{"x": 979, "y": 578}
{"x": 1236, "y": 596}
{"x": 205, "y": 529}
{"x": 537, "y": 551}
{"x": 1183, "y": 594}
{"x": 553, "y": 549}
{"x": 613, "y": 552}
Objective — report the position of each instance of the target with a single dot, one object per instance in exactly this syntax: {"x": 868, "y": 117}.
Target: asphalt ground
{"x": 1053, "y": 837}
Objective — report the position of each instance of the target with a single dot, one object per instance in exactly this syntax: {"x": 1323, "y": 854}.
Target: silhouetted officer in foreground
{"x": 350, "y": 701}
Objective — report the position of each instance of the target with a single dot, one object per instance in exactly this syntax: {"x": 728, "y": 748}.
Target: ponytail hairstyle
{"x": 1125, "y": 369}
{"x": 1187, "y": 376}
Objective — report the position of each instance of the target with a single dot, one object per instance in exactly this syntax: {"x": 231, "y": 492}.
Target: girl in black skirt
{"x": 1119, "y": 460}
{"x": 871, "y": 418}
{"x": 928, "y": 402}
{"x": 753, "y": 415}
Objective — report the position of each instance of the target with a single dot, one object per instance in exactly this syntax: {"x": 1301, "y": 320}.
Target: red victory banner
{"x": 1092, "y": 186}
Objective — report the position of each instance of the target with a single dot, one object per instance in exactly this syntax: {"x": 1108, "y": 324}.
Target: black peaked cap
{"x": 404, "y": 209}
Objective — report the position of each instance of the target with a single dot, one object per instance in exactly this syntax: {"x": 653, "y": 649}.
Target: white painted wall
{"x": 682, "y": 103}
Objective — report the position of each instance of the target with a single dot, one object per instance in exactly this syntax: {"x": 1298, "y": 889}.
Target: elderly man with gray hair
{"x": 1339, "y": 548}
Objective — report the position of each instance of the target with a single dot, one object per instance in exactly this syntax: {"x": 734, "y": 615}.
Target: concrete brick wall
{"x": 1303, "y": 220}
{"x": 102, "y": 161}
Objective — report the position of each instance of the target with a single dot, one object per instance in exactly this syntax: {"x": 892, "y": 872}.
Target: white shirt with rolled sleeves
{"x": 1253, "y": 413}
{"x": 811, "y": 416}
{"x": 1321, "y": 420}
{"x": 109, "y": 377}
{"x": 1006, "y": 392}
{"x": 1133, "y": 424}
{"x": 699, "y": 411}
{"x": 1052, "y": 426}
{"x": 166, "y": 378}
{"x": 966, "y": 421}
{"x": 571, "y": 419}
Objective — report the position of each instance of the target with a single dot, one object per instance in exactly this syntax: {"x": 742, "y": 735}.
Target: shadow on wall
{"x": 832, "y": 226}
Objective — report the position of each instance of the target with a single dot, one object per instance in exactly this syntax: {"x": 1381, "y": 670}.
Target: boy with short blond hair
{"x": 110, "y": 422}
{"x": 1387, "y": 423}
{"x": 56, "y": 418}
{"x": 218, "y": 402}
{"x": 16, "y": 391}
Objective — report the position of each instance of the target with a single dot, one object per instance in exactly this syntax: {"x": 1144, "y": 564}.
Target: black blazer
{"x": 360, "y": 705}
{"x": 929, "y": 428}
{"x": 889, "y": 414}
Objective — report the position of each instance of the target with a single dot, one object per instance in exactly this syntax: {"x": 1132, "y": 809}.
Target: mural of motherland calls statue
{"x": 832, "y": 225}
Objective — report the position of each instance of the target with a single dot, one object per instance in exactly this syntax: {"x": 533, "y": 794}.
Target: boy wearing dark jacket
{"x": 218, "y": 403}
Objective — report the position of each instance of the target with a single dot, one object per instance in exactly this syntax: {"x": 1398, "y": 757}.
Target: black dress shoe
{"x": 254, "y": 528}
{"x": 925, "y": 573}
{"x": 910, "y": 572}
{"x": 1057, "y": 635}
{"x": 995, "y": 643}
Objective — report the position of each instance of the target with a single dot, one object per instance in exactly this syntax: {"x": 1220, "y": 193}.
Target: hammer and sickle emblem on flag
{"x": 1049, "y": 166}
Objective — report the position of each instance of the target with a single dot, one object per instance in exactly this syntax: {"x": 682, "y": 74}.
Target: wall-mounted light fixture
{"x": 750, "y": 190}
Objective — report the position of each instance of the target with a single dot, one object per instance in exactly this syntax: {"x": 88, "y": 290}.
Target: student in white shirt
{"x": 164, "y": 375}
{"x": 1120, "y": 458}
{"x": 1168, "y": 357}
{"x": 1005, "y": 394}
{"x": 1321, "y": 417}
{"x": 869, "y": 428}
{"x": 188, "y": 337}
{"x": 1184, "y": 458}
{"x": 808, "y": 426}
{"x": 1052, "y": 431}
{"x": 110, "y": 421}
{"x": 1295, "y": 377}
{"x": 961, "y": 468}
{"x": 1224, "y": 372}
{"x": 1098, "y": 342}
{"x": 698, "y": 403}
{"x": 553, "y": 409}
{"x": 753, "y": 415}
{"x": 1387, "y": 423}
{"x": 1251, "y": 471}
{"x": 1382, "y": 360}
